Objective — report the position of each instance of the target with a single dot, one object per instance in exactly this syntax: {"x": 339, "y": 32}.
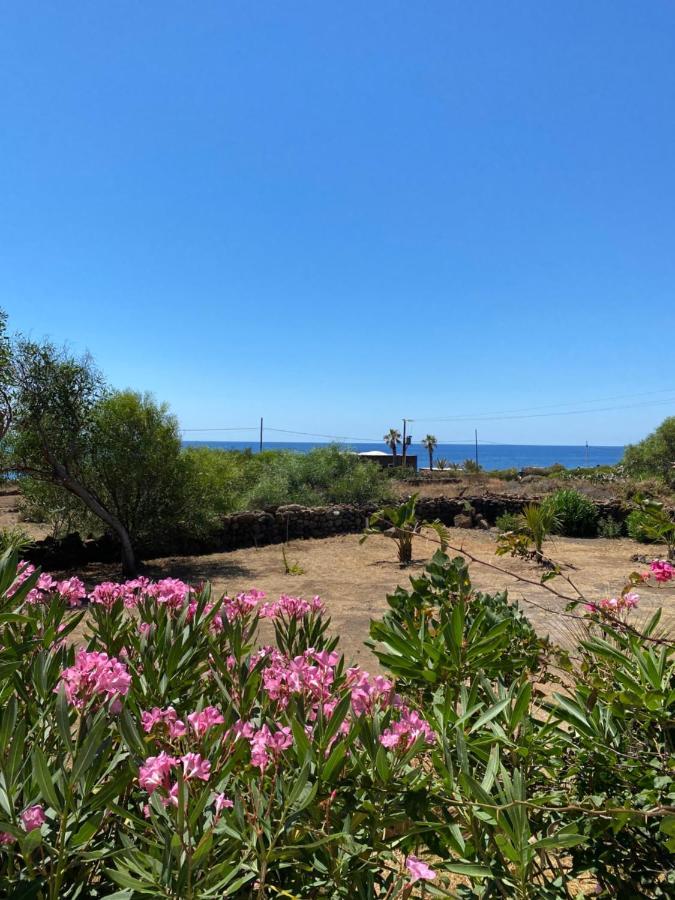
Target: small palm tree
{"x": 401, "y": 524}
{"x": 430, "y": 442}
{"x": 392, "y": 438}
{"x": 538, "y": 521}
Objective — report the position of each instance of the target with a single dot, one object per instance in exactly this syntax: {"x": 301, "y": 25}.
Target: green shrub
{"x": 509, "y": 522}
{"x": 471, "y": 467}
{"x": 637, "y": 527}
{"x": 323, "y": 476}
{"x": 609, "y": 527}
{"x": 576, "y": 514}
{"x": 14, "y": 540}
{"x": 655, "y": 524}
{"x": 504, "y": 474}
{"x": 655, "y": 455}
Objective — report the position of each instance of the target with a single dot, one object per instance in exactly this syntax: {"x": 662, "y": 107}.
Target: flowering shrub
{"x": 169, "y": 754}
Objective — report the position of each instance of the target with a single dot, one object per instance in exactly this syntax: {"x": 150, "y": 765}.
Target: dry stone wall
{"x": 282, "y": 523}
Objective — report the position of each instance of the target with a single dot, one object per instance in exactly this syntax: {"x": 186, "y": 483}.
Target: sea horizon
{"x": 490, "y": 456}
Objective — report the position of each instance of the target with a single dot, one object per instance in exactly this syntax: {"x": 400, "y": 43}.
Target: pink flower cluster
{"x": 660, "y": 570}
{"x": 292, "y": 607}
{"x": 167, "y": 720}
{"x": 95, "y": 675}
{"x": 310, "y": 674}
{"x": 370, "y": 692}
{"x": 403, "y": 733}
{"x": 266, "y": 745}
{"x": 47, "y": 587}
{"x": 169, "y": 592}
{"x": 614, "y": 604}
{"x": 155, "y": 774}
{"x": 242, "y": 604}
{"x": 163, "y": 720}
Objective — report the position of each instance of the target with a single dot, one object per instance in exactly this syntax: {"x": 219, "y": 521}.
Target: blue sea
{"x": 490, "y": 456}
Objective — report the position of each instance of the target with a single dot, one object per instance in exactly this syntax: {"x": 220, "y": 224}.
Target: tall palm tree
{"x": 392, "y": 438}
{"x": 430, "y": 442}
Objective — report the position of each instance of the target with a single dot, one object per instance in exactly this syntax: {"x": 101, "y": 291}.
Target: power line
{"x": 228, "y": 428}
{"x": 570, "y": 412}
{"x": 547, "y": 406}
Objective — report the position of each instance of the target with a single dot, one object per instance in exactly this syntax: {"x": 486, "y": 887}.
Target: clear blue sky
{"x": 338, "y": 214}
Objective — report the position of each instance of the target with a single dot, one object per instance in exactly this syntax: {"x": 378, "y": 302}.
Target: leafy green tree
{"x": 52, "y": 398}
{"x": 430, "y": 442}
{"x": 118, "y": 453}
{"x": 655, "y": 455}
{"x": 136, "y": 465}
{"x": 392, "y": 439}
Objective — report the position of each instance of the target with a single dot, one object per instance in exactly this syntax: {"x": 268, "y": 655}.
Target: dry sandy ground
{"x": 353, "y": 579}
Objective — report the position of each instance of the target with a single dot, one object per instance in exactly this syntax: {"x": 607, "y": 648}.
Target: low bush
{"x": 509, "y": 522}
{"x": 608, "y": 527}
{"x": 576, "y": 515}
{"x": 471, "y": 467}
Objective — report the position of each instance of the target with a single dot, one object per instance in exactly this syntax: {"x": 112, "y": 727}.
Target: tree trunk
{"x": 71, "y": 484}
{"x": 431, "y": 459}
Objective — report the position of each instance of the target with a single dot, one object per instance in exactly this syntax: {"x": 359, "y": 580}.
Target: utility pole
{"x": 261, "y": 433}
{"x": 405, "y": 422}
{"x": 476, "y": 432}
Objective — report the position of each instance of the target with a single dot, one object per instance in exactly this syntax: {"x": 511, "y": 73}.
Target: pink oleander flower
{"x": 72, "y": 590}
{"x": 266, "y": 745}
{"x": 24, "y": 571}
{"x": 419, "y": 870}
{"x": 134, "y": 589}
{"x": 33, "y": 817}
{"x": 222, "y": 802}
{"x": 107, "y": 594}
{"x": 291, "y": 607}
{"x": 207, "y": 718}
{"x": 6, "y": 838}
{"x": 614, "y": 605}
{"x": 241, "y": 605}
{"x": 169, "y": 592}
{"x": 42, "y": 591}
{"x": 406, "y": 730}
{"x": 163, "y": 718}
{"x": 195, "y": 767}
{"x": 662, "y": 571}
{"x": 94, "y": 675}
{"x": 155, "y": 773}
{"x": 369, "y": 692}
{"x": 310, "y": 674}
{"x": 216, "y": 623}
